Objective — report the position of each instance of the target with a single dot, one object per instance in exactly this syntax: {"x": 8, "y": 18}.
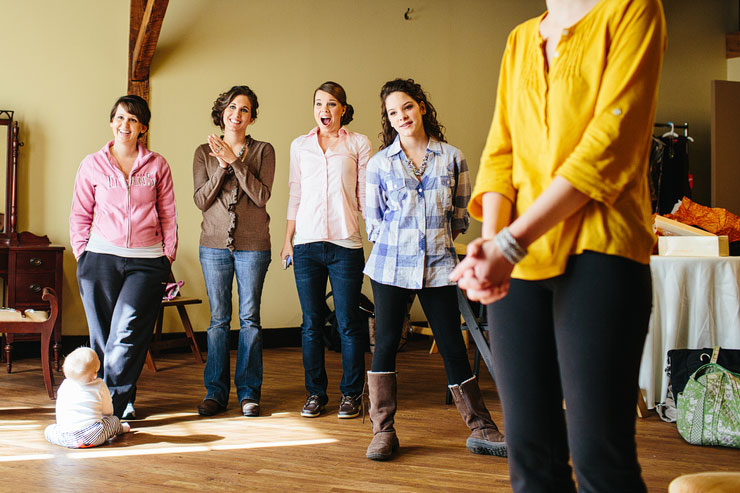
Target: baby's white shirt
{"x": 81, "y": 404}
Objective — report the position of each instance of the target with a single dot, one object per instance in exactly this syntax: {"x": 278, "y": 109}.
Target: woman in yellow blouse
{"x": 563, "y": 194}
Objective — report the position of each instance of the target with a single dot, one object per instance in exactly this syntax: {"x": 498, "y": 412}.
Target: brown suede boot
{"x": 485, "y": 439}
{"x": 382, "y": 390}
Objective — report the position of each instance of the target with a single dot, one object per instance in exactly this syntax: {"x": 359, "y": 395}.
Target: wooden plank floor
{"x": 174, "y": 449}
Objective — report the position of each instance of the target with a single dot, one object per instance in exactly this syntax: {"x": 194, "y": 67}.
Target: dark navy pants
{"x": 314, "y": 263}
{"x": 122, "y": 297}
{"x": 578, "y": 337}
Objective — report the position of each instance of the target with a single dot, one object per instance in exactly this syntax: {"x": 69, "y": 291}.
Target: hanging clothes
{"x": 669, "y": 172}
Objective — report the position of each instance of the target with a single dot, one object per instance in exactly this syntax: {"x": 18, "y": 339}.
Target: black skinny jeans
{"x": 443, "y": 314}
{"x": 578, "y": 336}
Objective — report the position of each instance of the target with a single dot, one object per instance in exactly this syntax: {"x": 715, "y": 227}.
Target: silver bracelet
{"x": 509, "y": 247}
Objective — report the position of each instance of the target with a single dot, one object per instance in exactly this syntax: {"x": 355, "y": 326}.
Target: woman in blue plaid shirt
{"x": 417, "y": 192}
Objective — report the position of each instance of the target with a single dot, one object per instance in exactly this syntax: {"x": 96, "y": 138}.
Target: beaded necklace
{"x": 241, "y": 153}
{"x": 418, "y": 172}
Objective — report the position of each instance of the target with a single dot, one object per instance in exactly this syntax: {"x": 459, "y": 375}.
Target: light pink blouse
{"x": 327, "y": 190}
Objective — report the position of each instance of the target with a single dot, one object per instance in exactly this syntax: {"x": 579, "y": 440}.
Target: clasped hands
{"x": 484, "y": 273}
{"x": 221, "y": 150}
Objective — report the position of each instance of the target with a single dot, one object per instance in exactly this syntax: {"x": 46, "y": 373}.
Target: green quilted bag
{"x": 709, "y": 406}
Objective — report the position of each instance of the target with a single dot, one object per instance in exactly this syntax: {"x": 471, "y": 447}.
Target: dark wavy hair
{"x": 337, "y": 91}
{"x": 225, "y": 98}
{"x": 431, "y": 126}
{"x": 135, "y": 105}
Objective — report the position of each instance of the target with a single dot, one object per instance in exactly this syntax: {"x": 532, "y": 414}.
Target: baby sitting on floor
{"x": 84, "y": 407}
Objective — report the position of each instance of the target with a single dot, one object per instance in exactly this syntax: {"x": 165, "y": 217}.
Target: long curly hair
{"x": 431, "y": 126}
{"x": 225, "y": 98}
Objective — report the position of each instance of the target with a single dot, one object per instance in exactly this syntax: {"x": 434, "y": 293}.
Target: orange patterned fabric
{"x": 713, "y": 219}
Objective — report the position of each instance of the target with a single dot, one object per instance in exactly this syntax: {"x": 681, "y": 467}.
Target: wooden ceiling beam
{"x": 145, "y": 23}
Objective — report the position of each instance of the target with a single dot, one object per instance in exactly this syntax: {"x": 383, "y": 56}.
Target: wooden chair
{"x": 35, "y": 322}
{"x": 189, "y": 340}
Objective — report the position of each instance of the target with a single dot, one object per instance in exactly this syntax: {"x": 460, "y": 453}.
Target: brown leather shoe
{"x": 209, "y": 407}
{"x": 250, "y": 408}
{"x": 314, "y": 405}
{"x": 349, "y": 406}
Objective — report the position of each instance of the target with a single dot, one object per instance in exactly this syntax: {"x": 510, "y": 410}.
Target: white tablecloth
{"x": 696, "y": 304}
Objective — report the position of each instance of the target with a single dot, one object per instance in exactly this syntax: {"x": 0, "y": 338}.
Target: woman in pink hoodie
{"x": 123, "y": 230}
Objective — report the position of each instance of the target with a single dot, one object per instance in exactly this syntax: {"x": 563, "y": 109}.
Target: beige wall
{"x": 69, "y": 64}
{"x": 733, "y": 69}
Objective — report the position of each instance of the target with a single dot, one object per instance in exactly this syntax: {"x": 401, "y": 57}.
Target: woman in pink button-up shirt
{"x": 322, "y": 239}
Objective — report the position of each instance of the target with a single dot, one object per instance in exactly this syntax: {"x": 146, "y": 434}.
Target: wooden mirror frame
{"x": 11, "y": 165}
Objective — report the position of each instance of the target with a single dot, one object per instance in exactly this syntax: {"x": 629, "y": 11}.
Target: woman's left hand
{"x": 221, "y": 150}
{"x": 484, "y": 273}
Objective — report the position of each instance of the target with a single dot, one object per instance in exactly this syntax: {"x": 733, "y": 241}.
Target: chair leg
{"x": 57, "y": 361}
{"x": 642, "y": 409}
{"x": 8, "y": 351}
{"x": 190, "y": 334}
{"x": 150, "y": 362}
{"x": 46, "y": 362}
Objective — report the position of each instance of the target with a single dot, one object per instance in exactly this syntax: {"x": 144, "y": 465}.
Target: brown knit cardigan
{"x": 214, "y": 191}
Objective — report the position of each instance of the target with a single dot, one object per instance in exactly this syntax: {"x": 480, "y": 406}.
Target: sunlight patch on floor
{"x": 121, "y": 452}
{"x": 15, "y": 458}
{"x": 93, "y": 454}
{"x": 19, "y": 427}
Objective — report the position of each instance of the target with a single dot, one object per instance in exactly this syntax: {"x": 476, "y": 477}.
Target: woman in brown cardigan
{"x": 233, "y": 176}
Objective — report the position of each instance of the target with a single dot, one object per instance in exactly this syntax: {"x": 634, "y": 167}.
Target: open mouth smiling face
{"x": 327, "y": 111}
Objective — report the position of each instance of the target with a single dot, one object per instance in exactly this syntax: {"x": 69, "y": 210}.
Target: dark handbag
{"x": 682, "y": 363}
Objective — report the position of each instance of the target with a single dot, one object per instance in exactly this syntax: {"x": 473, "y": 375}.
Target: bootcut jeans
{"x": 219, "y": 267}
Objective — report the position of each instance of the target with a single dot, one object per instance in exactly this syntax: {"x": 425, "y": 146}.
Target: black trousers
{"x": 443, "y": 314}
{"x": 578, "y": 336}
{"x": 121, "y": 297}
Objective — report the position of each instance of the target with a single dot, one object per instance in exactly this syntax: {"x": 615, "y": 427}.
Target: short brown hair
{"x": 135, "y": 105}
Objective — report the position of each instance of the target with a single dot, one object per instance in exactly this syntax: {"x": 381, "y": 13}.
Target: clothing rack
{"x": 673, "y": 127}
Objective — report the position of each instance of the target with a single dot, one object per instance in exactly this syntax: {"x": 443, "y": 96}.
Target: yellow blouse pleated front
{"x": 587, "y": 118}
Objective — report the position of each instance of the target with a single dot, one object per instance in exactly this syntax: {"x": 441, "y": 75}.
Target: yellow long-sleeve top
{"x": 587, "y": 119}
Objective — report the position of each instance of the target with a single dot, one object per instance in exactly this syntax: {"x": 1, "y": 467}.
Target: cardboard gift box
{"x": 680, "y": 240}
{"x": 694, "y": 246}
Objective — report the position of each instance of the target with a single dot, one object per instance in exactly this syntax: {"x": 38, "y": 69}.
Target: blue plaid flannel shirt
{"x": 410, "y": 223}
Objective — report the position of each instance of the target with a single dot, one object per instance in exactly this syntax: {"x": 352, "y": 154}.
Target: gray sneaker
{"x": 314, "y": 405}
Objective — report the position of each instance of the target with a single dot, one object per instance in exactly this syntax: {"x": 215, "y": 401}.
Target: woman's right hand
{"x": 287, "y": 251}
{"x": 221, "y": 150}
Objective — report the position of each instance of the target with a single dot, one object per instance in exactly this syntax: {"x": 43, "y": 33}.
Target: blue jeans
{"x": 219, "y": 266}
{"x": 314, "y": 262}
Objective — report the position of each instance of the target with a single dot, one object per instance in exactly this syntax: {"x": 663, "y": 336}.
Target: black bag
{"x": 332, "y": 339}
{"x": 682, "y": 363}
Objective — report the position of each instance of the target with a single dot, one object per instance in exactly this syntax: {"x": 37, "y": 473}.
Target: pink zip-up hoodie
{"x": 137, "y": 213}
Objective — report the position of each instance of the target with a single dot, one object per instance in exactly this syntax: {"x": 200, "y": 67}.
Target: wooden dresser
{"x": 27, "y": 270}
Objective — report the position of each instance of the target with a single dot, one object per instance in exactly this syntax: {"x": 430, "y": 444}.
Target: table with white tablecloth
{"x": 696, "y": 304}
